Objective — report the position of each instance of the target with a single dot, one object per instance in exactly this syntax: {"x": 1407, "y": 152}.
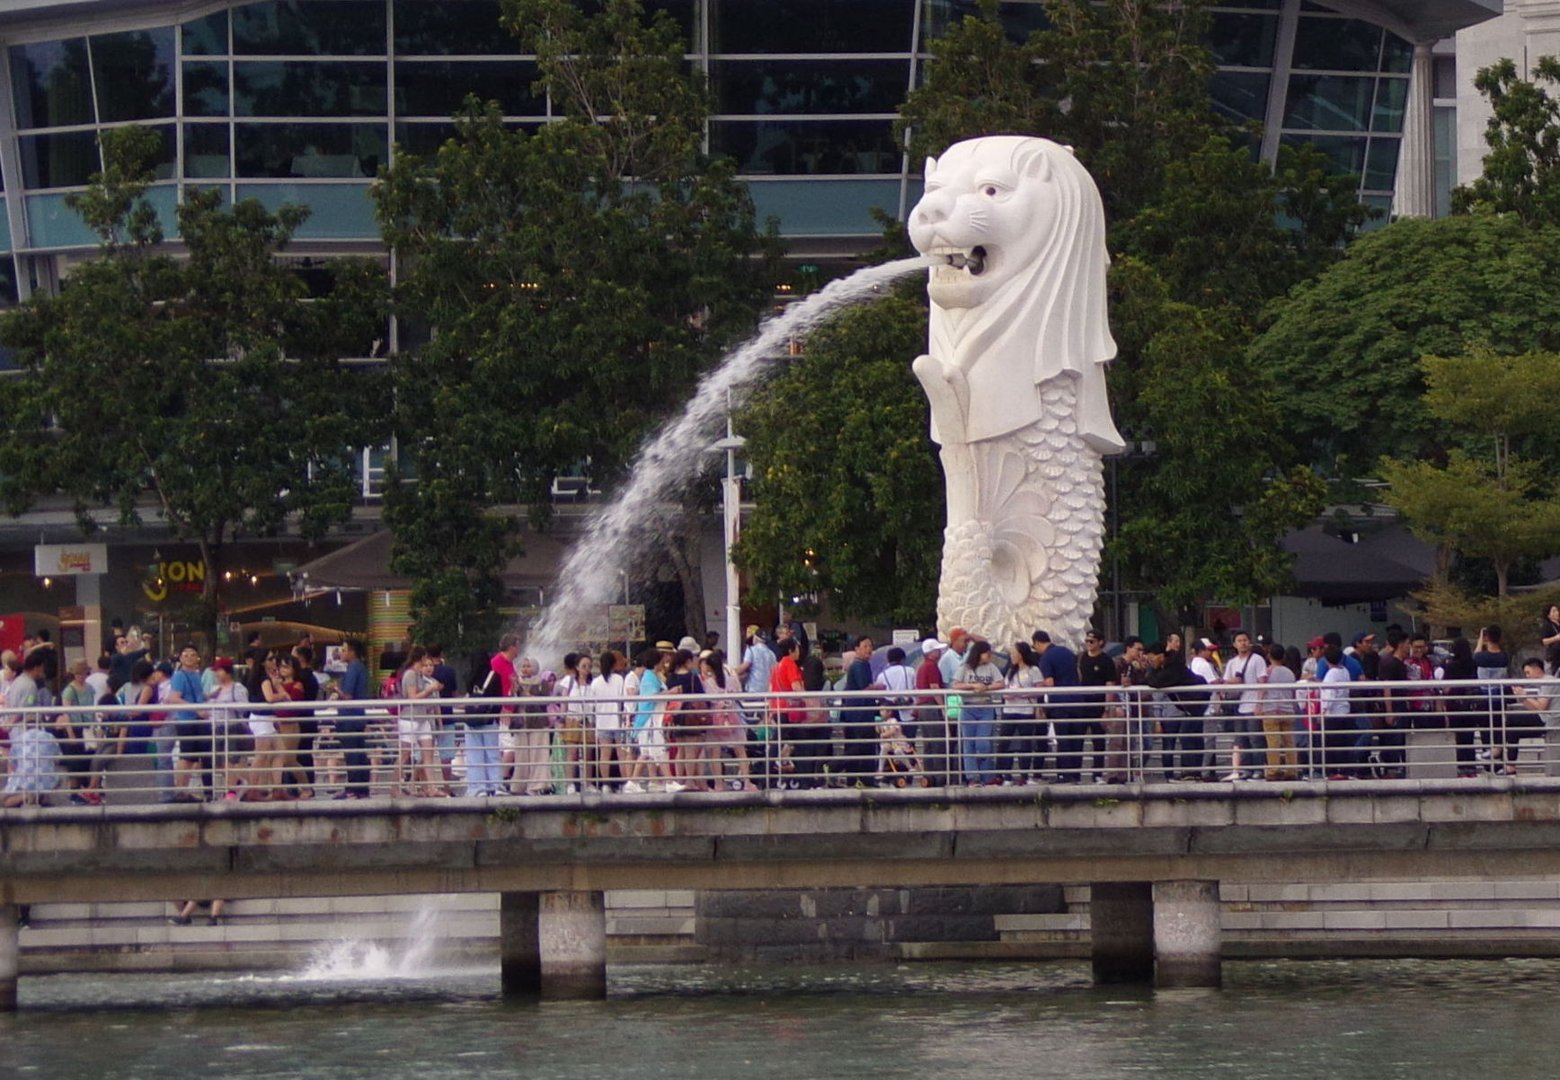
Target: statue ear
{"x": 931, "y": 167}
{"x": 1033, "y": 162}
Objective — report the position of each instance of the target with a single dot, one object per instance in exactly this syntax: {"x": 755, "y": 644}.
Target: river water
{"x": 1378, "y": 1019}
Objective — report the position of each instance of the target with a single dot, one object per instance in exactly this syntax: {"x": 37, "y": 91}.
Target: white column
{"x": 572, "y": 932}
{"x": 1186, "y": 934}
{"x": 1414, "y": 193}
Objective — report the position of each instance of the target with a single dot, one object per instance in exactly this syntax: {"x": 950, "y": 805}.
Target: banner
{"x": 69, "y": 560}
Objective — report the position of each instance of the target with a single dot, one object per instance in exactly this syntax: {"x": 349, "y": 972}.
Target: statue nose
{"x": 931, "y": 210}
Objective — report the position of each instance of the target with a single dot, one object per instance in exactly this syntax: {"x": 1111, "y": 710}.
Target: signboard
{"x": 905, "y": 637}
{"x": 626, "y": 622}
{"x": 68, "y": 560}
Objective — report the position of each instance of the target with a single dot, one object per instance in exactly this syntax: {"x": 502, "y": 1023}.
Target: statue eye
{"x": 991, "y": 191}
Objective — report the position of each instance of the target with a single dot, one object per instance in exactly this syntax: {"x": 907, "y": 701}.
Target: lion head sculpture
{"x": 1021, "y": 298}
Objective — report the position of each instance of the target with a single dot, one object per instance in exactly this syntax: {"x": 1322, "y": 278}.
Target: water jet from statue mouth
{"x": 974, "y": 262}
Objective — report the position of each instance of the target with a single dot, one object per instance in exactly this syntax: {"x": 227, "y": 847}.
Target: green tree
{"x": 1521, "y": 172}
{"x": 1203, "y": 237}
{"x": 576, "y": 282}
{"x": 1345, "y": 349}
{"x": 849, "y": 488}
{"x": 205, "y": 382}
{"x": 1486, "y": 501}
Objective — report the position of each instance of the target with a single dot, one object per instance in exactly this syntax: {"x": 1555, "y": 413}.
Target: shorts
{"x": 652, "y": 740}
{"x": 615, "y": 736}
{"x": 262, "y": 727}
{"x": 412, "y": 730}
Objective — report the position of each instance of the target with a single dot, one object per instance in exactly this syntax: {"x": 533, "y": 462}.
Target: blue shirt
{"x": 187, "y": 685}
{"x": 1356, "y": 672}
{"x": 353, "y": 685}
{"x": 1060, "y": 664}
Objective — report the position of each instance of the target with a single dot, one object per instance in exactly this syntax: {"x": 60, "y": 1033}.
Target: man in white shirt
{"x": 1247, "y": 667}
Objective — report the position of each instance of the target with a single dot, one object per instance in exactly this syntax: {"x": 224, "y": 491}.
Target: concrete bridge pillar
{"x": 9, "y": 958}
{"x": 1121, "y": 921}
{"x": 1186, "y": 934}
{"x": 519, "y": 943}
{"x": 572, "y": 935}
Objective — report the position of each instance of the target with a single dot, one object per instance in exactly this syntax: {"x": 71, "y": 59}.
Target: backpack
{"x": 389, "y": 690}
{"x": 1189, "y": 703}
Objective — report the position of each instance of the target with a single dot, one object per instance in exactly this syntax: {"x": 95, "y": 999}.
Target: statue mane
{"x": 1048, "y": 317}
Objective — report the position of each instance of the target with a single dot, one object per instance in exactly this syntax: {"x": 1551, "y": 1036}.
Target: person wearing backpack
{"x": 1182, "y": 722}
{"x": 484, "y": 774}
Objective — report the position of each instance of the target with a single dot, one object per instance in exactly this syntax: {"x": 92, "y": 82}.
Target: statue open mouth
{"x": 972, "y": 261}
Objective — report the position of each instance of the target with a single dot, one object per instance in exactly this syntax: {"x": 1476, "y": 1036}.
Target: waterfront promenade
{"x": 1154, "y": 854}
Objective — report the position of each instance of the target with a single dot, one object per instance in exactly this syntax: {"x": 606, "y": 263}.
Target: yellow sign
{"x": 65, "y": 560}
{"x": 178, "y": 575}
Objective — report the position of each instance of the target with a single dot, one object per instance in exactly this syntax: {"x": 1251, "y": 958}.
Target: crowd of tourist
{"x": 272, "y": 726}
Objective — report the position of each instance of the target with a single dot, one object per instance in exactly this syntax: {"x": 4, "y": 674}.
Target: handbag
{"x": 954, "y": 703}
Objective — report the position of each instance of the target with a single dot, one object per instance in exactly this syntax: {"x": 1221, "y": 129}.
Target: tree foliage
{"x": 849, "y": 486}
{"x": 576, "y": 281}
{"x": 1486, "y": 501}
{"x": 205, "y": 381}
{"x": 1203, "y": 237}
{"x": 1521, "y": 172}
{"x": 1345, "y": 348}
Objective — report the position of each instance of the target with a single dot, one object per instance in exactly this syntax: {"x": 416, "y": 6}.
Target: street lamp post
{"x": 731, "y": 507}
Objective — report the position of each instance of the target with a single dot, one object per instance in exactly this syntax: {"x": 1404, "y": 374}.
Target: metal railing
{"x": 538, "y": 746}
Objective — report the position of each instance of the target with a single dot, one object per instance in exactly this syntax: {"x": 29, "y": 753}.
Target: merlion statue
{"x": 1015, "y": 372}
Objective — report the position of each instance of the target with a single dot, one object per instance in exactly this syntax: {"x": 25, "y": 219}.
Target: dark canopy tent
{"x": 1335, "y": 571}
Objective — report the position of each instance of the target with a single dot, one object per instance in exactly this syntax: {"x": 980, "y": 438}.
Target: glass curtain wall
{"x": 305, "y": 100}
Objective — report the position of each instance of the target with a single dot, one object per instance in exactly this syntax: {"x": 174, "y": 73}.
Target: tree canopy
{"x": 1203, "y": 236}
{"x": 574, "y": 281}
{"x": 1521, "y": 173}
{"x": 205, "y": 381}
{"x": 1345, "y": 348}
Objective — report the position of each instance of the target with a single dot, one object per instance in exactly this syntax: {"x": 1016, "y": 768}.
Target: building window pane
{"x": 423, "y": 140}
{"x": 310, "y": 150}
{"x": 811, "y": 26}
{"x": 1391, "y": 96}
{"x": 52, "y": 87}
{"x": 1381, "y": 164}
{"x": 206, "y": 152}
{"x": 1019, "y": 18}
{"x": 134, "y": 74}
{"x": 206, "y": 88}
{"x": 1336, "y": 45}
{"x": 439, "y": 87}
{"x": 1445, "y": 68}
{"x": 1240, "y": 95}
{"x": 1329, "y": 102}
{"x": 794, "y": 147}
{"x": 308, "y": 88}
{"x": 450, "y": 28}
{"x": 316, "y": 28}
{"x": 809, "y": 86}
{"x": 1347, "y": 154}
{"x": 207, "y": 36}
{"x": 1242, "y": 40}
{"x": 65, "y": 160}
{"x": 1397, "y": 55}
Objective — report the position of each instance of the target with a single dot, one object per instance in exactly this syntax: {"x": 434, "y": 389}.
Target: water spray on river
{"x": 662, "y": 472}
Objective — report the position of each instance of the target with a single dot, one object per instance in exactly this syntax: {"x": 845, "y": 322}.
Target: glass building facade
{"x": 305, "y": 100}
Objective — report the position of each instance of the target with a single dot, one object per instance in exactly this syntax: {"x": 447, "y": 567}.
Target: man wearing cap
{"x": 953, "y": 655}
{"x": 931, "y": 717}
{"x": 758, "y": 663}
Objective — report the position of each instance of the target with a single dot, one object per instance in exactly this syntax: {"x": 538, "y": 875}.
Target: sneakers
{"x": 1230, "y": 778}
{"x": 673, "y": 785}
{"x": 178, "y": 920}
{"x": 633, "y": 787}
